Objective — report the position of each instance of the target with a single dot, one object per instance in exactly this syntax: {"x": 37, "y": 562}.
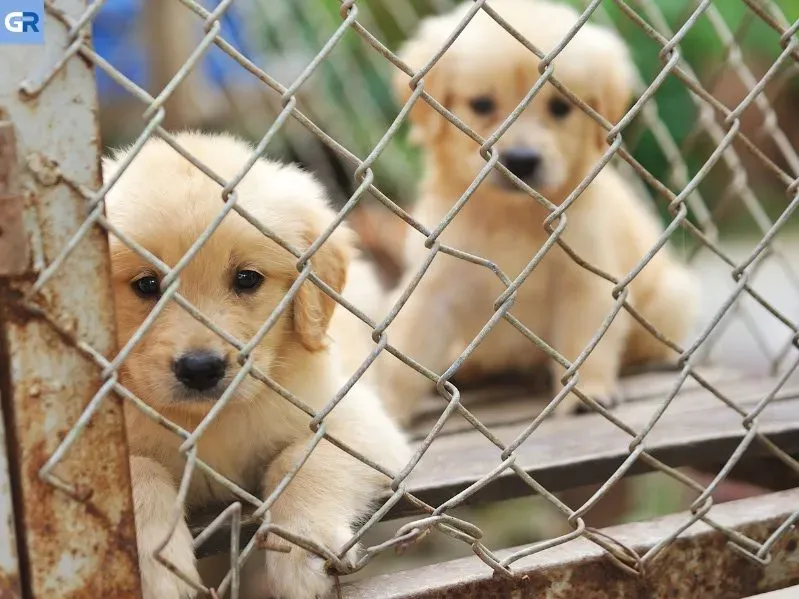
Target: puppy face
{"x": 236, "y": 279}
{"x": 486, "y": 73}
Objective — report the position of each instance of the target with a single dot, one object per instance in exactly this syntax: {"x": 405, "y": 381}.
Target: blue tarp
{"x": 118, "y": 38}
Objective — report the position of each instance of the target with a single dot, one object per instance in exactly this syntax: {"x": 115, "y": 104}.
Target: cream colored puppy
{"x": 482, "y": 78}
{"x": 181, "y": 368}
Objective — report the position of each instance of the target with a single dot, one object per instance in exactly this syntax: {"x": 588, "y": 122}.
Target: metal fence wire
{"x": 695, "y": 212}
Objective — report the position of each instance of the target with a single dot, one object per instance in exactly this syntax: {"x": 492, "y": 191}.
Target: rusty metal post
{"x": 9, "y": 562}
{"x": 74, "y": 520}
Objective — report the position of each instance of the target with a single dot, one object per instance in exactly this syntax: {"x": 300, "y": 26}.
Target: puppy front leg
{"x": 582, "y": 303}
{"x": 423, "y": 330}
{"x": 154, "y": 495}
{"x": 322, "y": 502}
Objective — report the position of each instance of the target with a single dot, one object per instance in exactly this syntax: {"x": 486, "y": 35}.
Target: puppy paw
{"x": 607, "y": 397}
{"x": 158, "y": 581}
{"x": 606, "y": 402}
{"x": 300, "y": 574}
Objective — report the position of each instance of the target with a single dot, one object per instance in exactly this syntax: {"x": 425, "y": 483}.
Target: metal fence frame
{"x": 51, "y": 193}
{"x": 70, "y": 537}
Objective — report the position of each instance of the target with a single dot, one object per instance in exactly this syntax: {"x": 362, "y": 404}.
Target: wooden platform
{"x": 699, "y": 565}
{"x": 696, "y": 430}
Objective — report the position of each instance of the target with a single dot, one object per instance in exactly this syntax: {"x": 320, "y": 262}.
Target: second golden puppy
{"x": 482, "y": 77}
{"x": 181, "y": 367}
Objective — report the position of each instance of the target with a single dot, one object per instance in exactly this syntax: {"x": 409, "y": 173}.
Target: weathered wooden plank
{"x": 516, "y": 399}
{"x": 698, "y": 564}
{"x": 768, "y": 473}
{"x": 696, "y": 430}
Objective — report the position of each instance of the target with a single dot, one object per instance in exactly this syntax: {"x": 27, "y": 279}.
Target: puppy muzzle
{"x": 525, "y": 163}
{"x": 200, "y": 374}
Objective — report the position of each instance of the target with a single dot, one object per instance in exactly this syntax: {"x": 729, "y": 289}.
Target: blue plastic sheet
{"x": 118, "y": 37}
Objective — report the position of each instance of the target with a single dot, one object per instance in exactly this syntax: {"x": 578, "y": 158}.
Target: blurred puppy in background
{"x": 551, "y": 147}
{"x": 181, "y": 368}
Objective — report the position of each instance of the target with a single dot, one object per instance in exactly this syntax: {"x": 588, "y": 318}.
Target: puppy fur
{"x": 482, "y": 78}
{"x": 164, "y": 203}
{"x": 364, "y": 290}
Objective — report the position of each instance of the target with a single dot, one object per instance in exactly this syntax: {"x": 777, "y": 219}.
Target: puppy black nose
{"x": 200, "y": 370}
{"x": 522, "y": 162}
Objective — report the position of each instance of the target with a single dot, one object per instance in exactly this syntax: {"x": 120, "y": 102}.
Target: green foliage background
{"x": 393, "y": 21}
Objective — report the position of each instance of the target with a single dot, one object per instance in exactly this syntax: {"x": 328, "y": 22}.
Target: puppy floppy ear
{"x": 426, "y": 122}
{"x": 313, "y": 308}
{"x": 614, "y": 72}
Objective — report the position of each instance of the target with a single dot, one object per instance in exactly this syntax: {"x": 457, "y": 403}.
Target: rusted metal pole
{"x": 9, "y": 561}
{"x": 74, "y": 522}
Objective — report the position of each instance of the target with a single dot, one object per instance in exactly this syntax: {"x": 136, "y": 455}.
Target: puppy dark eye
{"x": 483, "y": 105}
{"x": 559, "y": 108}
{"x": 146, "y": 286}
{"x": 247, "y": 281}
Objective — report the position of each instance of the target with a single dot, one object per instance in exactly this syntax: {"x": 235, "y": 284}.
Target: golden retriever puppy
{"x": 181, "y": 368}
{"x": 552, "y": 145}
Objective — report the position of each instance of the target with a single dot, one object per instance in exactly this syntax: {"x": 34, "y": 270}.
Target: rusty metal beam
{"x": 697, "y": 564}
{"x": 77, "y": 540}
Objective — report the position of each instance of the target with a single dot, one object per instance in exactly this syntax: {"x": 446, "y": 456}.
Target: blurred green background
{"x": 352, "y": 85}
{"x": 349, "y": 96}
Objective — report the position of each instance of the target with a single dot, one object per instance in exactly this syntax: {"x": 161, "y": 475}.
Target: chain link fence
{"x": 701, "y": 180}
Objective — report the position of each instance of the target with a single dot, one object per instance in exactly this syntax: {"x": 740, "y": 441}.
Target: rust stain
{"x": 9, "y": 587}
{"x": 95, "y": 528}
{"x": 20, "y": 312}
{"x": 45, "y": 170}
{"x": 702, "y": 566}
{"x": 8, "y": 158}
{"x": 14, "y": 251}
